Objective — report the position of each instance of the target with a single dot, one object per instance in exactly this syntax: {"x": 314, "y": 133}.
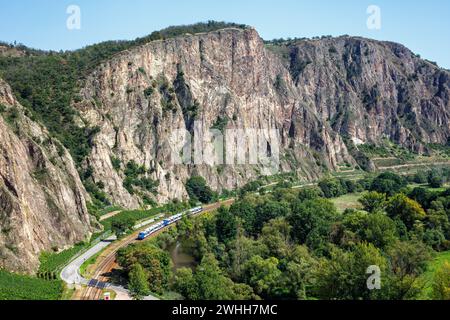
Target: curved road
{"x": 71, "y": 273}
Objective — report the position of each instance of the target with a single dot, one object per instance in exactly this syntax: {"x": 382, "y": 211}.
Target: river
{"x": 180, "y": 258}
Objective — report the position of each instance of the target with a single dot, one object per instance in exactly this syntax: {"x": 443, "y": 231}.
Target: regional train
{"x": 167, "y": 222}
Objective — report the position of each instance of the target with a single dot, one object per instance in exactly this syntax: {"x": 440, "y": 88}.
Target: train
{"x": 167, "y": 222}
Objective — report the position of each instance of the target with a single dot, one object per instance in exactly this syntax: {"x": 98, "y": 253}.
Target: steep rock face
{"x": 318, "y": 95}
{"x": 370, "y": 90}
{"x": 42, "y": 201}
{"x": 140, "y": 97}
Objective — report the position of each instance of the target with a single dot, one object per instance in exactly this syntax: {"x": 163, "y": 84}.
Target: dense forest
{"x": 295, "y": 244}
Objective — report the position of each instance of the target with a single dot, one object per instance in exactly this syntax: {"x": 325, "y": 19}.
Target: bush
{"x": 388, "y": 183}
{"x": 148, "y": 92}
{"x": 332, "y": 188}
{"x": 116, "y": 163}
{"x": 405, "y": 209}
{"x": 435, "y": 179}
{"x": 420, "y": 177}
{"x": 133, "y": 178}
{"x": 198, "y": 190}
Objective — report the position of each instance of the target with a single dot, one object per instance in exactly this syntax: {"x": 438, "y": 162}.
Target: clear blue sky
{"x": 421, "y": 25}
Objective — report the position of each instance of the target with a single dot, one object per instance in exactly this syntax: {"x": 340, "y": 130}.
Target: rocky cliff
{"x": 313, "y": 101}
{"x": 322, "y": 97}
{"x": 42, "y": 201}
{"x": 369, "y": 90}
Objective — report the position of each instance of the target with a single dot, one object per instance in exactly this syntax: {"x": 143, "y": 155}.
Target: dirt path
{"x": 412, "y": 165}
{"x": 109, "y": 215}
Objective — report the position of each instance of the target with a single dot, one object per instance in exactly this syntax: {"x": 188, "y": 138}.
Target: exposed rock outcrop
{"x": 42, "y": 201}
{"x": 370, "y": 90}
{"x": 319, "y": 95}
{"x": 227, "y": 74}
{"x": 321, "y": 98}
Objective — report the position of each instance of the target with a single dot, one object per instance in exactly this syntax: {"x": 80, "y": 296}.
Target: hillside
{"x": 108, "y": 113}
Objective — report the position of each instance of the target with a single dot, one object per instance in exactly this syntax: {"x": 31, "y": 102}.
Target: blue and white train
{"x": 167, "y": 222}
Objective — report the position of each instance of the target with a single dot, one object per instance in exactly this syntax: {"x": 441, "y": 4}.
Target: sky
{"x": 421, "y": 25}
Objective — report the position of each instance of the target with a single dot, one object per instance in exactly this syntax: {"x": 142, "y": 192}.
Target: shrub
{"x": 197, "y": 189}
{"x": 388, "y": 183}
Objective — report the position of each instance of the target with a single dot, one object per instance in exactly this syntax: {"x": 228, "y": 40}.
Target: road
{"x": 71, "y": 273}
{"x": 105, "y": 264}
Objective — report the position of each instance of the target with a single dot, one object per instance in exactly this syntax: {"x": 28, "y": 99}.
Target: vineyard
{"x": 51, "y": 262}
{"x": 20, "y": 287}
{"x": 133, "y": 216}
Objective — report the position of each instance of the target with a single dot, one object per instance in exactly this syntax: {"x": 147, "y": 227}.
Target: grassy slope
{"x": 433, "y": 266}
{"x": 348, "y": 201}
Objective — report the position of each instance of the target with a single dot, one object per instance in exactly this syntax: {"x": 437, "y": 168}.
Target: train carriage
{"x": 167, "y": 222}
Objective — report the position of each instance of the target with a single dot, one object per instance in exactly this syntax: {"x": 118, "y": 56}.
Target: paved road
{"x": 71, "y": 273}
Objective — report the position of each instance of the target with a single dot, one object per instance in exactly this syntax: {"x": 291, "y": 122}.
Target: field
{"x": 348, "y": 201}
{"x": 433, "y": 266}
{"x": 19, "y": 287}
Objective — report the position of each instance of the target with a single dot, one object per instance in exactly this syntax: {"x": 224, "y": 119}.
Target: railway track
{"x": 108, "y": 263}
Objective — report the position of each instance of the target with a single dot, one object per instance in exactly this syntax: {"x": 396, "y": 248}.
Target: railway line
{"x": 99, "y": 281}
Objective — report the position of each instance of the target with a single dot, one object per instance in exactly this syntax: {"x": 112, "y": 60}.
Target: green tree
{"x": 154, "y": 260}
{"x": 423, "y": 196}
{"x": 380, "y": 230}
{"x": 226, "y": 225}
{"x": 267, "y": 211}
{"x": 441, "y": 283}
{"x": 435, "y": 179}
{"x": 240, "y": 251}
{"x": 373, "y": 201}
{"x": 311, "y": 222}
{"x": 184, "y": 284}
{"x": 407, "y": 261}
{"x": 263, "y": 276}
{"x": 138, "y": 282}
{"x": 420, "y": 177}
{"x": 198, "y": 189}
{"x": 121, "y": 226}
{"x": 299, "y": 274}
{"x": 246, "y": 212}
{"x": 405, "y": 209}
{"x": 310, "y": 193}
{"x": 388, "y": 183}
{"x": 331, "y": 188}
{"x": 358, "y": 226}
{"x": 344, "y": 276}
{"x": 276, "y": 236}
{"x": 211, "y": 282}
